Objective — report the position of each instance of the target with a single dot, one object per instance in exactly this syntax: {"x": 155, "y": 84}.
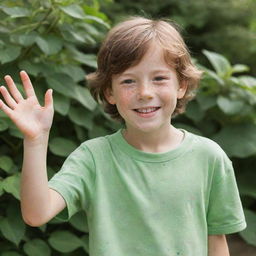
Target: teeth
{"x": 146, "y": 110}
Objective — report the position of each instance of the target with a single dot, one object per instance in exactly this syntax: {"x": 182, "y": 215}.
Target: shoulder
{"x": 207, "y": 147}
{"x": 99, "y": 144}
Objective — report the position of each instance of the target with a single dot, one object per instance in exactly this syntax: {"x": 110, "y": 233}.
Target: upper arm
{"x": 217, "y": 245}
{"x": 57, "y": 204}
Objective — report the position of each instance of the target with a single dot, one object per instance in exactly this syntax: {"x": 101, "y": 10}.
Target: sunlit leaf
{"x": 16, "y": 12}
{"x": 219, "y": 62}
{"x": 230, "y": 106}
{"x": 74, "y": 11}
{"x": 240, "y": 68}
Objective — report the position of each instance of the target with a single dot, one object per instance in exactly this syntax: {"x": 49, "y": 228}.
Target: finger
{"x": 13, "y": 89}
{"x": 48, "y": 101}
{"x": 28, "y": 87}
{"x": 8, "y": 111}
{"x": 7, "y": 97}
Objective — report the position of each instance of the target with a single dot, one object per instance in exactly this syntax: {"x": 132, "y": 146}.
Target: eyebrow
{"x": 152, "y": 72}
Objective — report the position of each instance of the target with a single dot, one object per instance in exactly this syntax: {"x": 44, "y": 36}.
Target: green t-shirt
{"x": 151, "y": 204}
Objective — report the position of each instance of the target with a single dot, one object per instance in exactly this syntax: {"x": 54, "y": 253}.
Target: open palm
{"x": 32, "y": 119}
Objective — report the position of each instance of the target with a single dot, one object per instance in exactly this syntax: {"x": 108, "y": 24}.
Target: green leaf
{"x": 246, "y": 183}
{"x": 219, "y": 62}
{"x": 240, "y": 68}
{"x": 10, "y": 253}
{"x": 37, "y": 247}
{"x": 81, "y": 116}
{"x": 206, "y": 101}
{"x": 30, "y": 67}
{"x": 98, "y": 20}
{"x": 194, "y": 111}
{"x": 78, "y": 74}
{"x": 62, "y": 83}
{"x": 85, "y": 242}
{"x": 16, "y": 12}
{"x": 6, "y": 163}
{"x": 11, "y": 185}
{"x": 1, "y": 188}
{"x": 98, "y": 131}
{"x": 74, "y": 11}
{"x": 79, "y": 222}
{"x": 83, "y": 95}
{"x": 249, "y": 234}
{"x": 27, "y": 39}
{"x": 61, "y": 103}
{"x": 64, "y": 241}
{"x": 87, "y": 59}
{"x": 13, "y": 227}
{"x": 247, "y": 81}
{"x": 61, "y": 146}
{"x": 9, "y": 53}
{"x": 209, "y": 74}
{"x": 49, "y": 44}
{"x": 15, "y": 132}
{"x": 81, "y": 133}
{"x": 238, "y": 140}
{"x": 3, "y": 125}
{"x": 230, "y": 106}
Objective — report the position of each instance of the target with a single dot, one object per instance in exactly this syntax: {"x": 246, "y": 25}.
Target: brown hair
{"x": 127, "y": 43}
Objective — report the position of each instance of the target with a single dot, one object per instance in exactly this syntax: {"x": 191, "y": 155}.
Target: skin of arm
{"x": 217, "y": 245}
{"x": 39, "y": 204}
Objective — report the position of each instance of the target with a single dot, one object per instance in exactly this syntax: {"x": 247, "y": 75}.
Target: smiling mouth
{"x": 146, "y": 110}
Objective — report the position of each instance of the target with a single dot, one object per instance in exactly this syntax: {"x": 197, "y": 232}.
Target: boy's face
{"x": 146, "y": 94}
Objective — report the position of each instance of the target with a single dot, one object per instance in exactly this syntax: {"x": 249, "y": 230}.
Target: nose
{"x": 145, "y": 92}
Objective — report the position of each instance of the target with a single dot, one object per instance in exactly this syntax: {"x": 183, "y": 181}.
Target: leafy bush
{"x": 225, "y": 111}
{"x": 221, "y": 26}
{"x": 55, "y": 42}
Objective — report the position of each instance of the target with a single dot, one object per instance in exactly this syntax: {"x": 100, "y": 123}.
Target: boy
{"x": 148, "y": 189}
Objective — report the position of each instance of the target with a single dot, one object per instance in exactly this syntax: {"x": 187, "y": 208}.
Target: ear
{"x": 109, "y": 96}
{"x": 182, "y": 89}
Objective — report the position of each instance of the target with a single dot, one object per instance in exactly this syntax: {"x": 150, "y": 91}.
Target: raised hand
{"x": 32, "y": 119}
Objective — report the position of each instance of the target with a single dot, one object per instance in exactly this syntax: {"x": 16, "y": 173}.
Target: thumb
{"x": 48, "y": 100}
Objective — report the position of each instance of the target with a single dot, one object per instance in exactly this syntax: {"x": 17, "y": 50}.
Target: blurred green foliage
{"x": 55, "y": 41}
{"x": 226, "y": 26}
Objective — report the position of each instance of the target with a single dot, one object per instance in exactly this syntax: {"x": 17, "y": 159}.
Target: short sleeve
{"x": 75, "y": 181}
{"x": 225, "y": 212}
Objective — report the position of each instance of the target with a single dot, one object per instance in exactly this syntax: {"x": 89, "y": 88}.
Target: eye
{"x": 160, "y": 78}
{"x": 127, "y": 81}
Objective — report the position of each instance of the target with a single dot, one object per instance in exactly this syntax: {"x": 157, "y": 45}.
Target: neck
{"x": 156, "y": 141}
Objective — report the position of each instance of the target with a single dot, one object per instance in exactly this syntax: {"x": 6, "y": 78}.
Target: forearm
{"x": 34, "y": 181}
{"x": 217, "y": 245}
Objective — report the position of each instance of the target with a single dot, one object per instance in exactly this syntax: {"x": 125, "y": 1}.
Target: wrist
{"x": 40, "y": 139}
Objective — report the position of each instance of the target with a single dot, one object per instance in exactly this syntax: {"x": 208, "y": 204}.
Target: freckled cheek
{"x": 125, "y": 98}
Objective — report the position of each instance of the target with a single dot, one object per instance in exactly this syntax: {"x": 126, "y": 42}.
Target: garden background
{"x": 56, "y": 42}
